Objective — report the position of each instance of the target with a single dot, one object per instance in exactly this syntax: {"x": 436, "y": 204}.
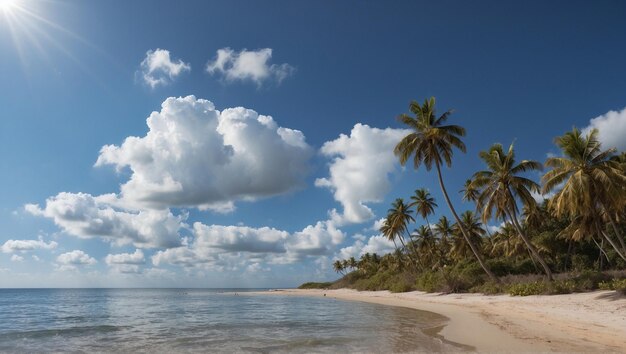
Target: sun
{"x": 7, "y": 5}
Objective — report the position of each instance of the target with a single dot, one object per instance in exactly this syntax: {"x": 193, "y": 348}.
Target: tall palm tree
{"x": 501, "y": 185}
{"x": 423, "y": 203}
{"x": 594, "y": 185}
{"x": 443, "y": 228}
{"x": 470, "y": 193}
{"x": 506, "y": 243}
{"x": 399, "y": 217}
{"x": 426, "y": 244}
{"x": 431, "y": 142}
{"x": 461, "y": 249}
{"x": 338, "y": 266}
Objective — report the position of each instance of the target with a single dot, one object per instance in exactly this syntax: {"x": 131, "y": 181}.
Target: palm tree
{"x": 594, "y": 185}
{"x": 473, "y": 227}
{"x": 470, "y": 193}
{"x": 431, "y": 142}
{"x": 424, "y": 204}
{"x": 338, "y": 266}
{"x": 426, "y": 244}
{"x": 501, "y": 185}
{"x": 398, "y": 219}
{"x": 445, "y": 231}
{"x": 352, "y": 263}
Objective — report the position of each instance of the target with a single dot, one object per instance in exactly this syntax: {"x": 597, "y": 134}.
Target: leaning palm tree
{"x": 593, "y": 185}
{"x": 431, "y": 142}
{"x": 501, "y": 185}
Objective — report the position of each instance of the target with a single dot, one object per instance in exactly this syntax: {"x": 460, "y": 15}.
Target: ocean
{"x": 206, "y": 320}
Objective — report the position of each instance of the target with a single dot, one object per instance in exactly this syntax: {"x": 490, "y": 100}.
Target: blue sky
{"x": 220, "y": 197}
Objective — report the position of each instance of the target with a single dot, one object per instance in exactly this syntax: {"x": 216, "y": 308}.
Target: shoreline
{"x": 582, "y": 322}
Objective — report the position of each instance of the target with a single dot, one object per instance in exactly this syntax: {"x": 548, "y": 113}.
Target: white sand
{"x": 587, "y": 322}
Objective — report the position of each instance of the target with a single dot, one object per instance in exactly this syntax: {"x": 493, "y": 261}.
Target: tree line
{"x": 580, "y": 223}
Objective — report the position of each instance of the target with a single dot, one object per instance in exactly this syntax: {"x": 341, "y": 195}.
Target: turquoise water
{"x": 204, "y": 320}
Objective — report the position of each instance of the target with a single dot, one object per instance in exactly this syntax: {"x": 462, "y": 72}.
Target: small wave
{"x": 61, "y": 332}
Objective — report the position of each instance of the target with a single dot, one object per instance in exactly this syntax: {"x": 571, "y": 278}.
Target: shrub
{"x": 526, "y": 289}
{"x": 429, "y": 282}
{"x": 314, "y": 285}
{"x": 614, "y": 284}
{"x": 501, "y": 267}
{"x": 489, "y": 288}
{"x": 581, "y": 262}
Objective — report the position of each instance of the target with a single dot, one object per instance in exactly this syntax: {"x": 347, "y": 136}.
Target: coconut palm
{"x": 423, "y": 203}
{"x": 426, "y": 244}
{"x": 469, "y": 192}
{"x": 501, "y": 185}
{"x": 593, "y": 185}
{"x": 398, "y": 219}
{"x": 444, "y": 230}
{"x": 338, "y": 266}
{"x": 431, "y": 142}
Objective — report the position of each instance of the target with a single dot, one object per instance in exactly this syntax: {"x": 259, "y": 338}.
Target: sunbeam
{"x": 32, "y": 30}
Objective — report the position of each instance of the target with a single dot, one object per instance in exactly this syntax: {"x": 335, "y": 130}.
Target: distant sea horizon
{"x": 205, "y": 319}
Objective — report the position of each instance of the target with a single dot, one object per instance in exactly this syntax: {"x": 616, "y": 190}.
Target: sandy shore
{"x": 587, "y": 322}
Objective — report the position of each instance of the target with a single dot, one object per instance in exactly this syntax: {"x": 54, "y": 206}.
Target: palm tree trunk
{"x": 600, "y": 259}
{"x": 530, "y": 246}
{"x": 462, "y": 228}
{"x": 618, "y": 234}
{"x": 610, "y": 241}
{"x": 401, "y": 238}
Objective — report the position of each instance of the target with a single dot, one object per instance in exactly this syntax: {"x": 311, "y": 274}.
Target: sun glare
{"x": 7, "y": 5}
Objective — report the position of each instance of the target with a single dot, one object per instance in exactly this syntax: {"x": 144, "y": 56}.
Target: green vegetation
{"x": 314, "y": 285}
{"x": 572, "y": 241}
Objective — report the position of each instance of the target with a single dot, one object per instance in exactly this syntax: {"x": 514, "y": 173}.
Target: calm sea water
{"x": 193, "y": 320}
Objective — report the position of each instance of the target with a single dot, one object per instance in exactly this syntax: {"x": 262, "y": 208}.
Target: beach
{"x": 583, "y": 322}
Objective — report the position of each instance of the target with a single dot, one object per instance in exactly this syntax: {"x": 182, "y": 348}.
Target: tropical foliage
{"x": 575, "y": 237}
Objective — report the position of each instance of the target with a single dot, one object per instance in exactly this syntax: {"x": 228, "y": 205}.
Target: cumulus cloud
{"x": 217, "y": 246}
{"x": 70, "y": 260}
{"x": 16, "y": 258}
{"x": 11, "y": 246}
{"x": 195, "y": 155}
{"x": 612, "y": 129}
{"x": 376, "y": 244}
{"x": 126, "y": 258}
{"x": 86, "y": 216}
{"x": 360, "y": 169}
{"x": 248, "y": 65}
{"x": 157, "y": 68}
{"x": 126, "y": 263}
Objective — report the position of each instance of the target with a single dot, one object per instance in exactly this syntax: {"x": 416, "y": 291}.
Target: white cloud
{"x": 126, "y": 258}
{"x": 216, "y": 246}
{"x": 612, "y": 129}
{"x": 26, "y": 245}
{"x": 376, "y": 244}
{"x": 359, "y": 171}
{"x": 195, "y": 155}
{"x": 70, "y": 260}
{"x": 85, "y": 216}
{"x": 493, "y": 229}
{"x": 248, "y": 65}
{"x": 539, "y": 198}
{"x": 378, "y": 224}
{"x": 36, "y": 259}
{"x": 16, "y": 258}
{"x": 158, "y": 68}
